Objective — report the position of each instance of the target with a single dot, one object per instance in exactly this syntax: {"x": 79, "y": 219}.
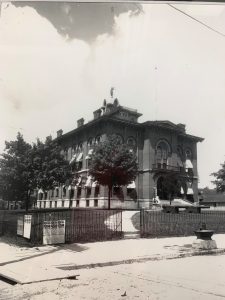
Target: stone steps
{"x": 131, "y": 235}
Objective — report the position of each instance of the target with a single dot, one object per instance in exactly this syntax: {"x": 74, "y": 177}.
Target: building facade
{"x": 166, "y": 154}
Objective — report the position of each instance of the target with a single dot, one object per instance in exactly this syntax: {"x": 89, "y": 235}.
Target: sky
{"x": 58, "y": 62}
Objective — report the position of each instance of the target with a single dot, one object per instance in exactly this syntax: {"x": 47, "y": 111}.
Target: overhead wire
{"x": 196, "y": 20}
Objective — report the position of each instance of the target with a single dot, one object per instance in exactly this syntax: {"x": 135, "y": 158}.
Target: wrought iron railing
{"x": 166, "y": 167}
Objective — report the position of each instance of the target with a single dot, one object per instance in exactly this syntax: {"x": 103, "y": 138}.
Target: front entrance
{"x": 168, "y": 187}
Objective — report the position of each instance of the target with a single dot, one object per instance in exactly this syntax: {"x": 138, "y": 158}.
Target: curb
{"x": 115, "y": 263}
{"x": 144, "y": 259}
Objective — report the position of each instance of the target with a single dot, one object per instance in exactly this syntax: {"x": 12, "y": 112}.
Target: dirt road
{"x": 184, "y": 278}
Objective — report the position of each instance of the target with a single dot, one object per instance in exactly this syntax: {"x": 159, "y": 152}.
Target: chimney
{"x": 80, "y": 122}
{"x": 97, "y": 113}
{"x": 182, "y": 126}
{"x": 59, "y": 133}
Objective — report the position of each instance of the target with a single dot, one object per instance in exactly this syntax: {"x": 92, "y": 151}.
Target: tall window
{"x": 64, "y": 191}
{"x": 131, "y": 142}
{"x": 78, "y": 191}
{"x": 188, "y": 154}
{"x": 97, "y": 191}
{"x": 162, "y": 153}
{"x": 90, "y": 143}
{"x": 97, "y": 139}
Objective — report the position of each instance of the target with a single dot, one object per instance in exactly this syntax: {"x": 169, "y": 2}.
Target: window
{"x": 131, "y": 142}
{"x": 80, "y": 147}
{"x": 78, "y": 191}
{"x": 65, "y": 153}
{"x": 90, "y": 142}
{"x": 57, "y": 192}
{"x": 74, "y": 149}
{"x": 87, "y": 203}
{"x": 55, "y": 204}
{"x": 71, "y": 193}
{"x": 64, "y": 191}
{"x": 97, "y": 139}
{"x": 97, "y": 190}
{"x": 120, "y": 138}
{"x": 159, "y": 154}
{"x": 162, "y": 152}
{"x": 50, "y": 204}
{"x": 188, "y": 154}
{"x": 96, "y": 203}
{"x": 88, "y": 192}
{"x": 45, "y": 204}
{"x": 63, "y": 203}
{"x": 77, "y": 203}
{"x": 46, "y": 195}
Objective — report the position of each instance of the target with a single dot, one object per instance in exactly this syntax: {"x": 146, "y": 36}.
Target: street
{"x": 198, "y": 277}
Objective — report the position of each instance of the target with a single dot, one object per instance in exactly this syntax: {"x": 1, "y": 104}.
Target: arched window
{"x": 131, "y": 142}
{"x": 90, "y": 142}
{"x": 162, "y": 150}
{"x": 65, "y": 153}
{"x": 97, "y": 139}
{"x": 120, "y": 138}
{"x": 80, "y": 147}
{"x": 188, "y": 162}
{"x": 74, "y": 149}
{"x": 180, "y": 158}
{"x": 188, "y": 154}
{"x": 159, "y": 153}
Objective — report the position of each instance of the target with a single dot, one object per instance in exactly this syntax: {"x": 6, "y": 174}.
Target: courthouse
{"x": 164, "y": 150}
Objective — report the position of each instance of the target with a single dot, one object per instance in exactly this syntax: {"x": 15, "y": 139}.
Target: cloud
{"x": 81, "y": 20}
{"x": 162, "y": 63}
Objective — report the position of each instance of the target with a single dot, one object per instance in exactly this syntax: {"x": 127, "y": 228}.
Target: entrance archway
{"x": 168, "y": 187}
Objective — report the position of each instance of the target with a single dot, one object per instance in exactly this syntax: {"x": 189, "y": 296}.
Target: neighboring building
{"x": 212, "y": 198}
{"x": 162, "y": 147}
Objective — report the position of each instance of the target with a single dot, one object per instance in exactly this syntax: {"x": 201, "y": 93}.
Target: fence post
{"x": 141, "y": 221}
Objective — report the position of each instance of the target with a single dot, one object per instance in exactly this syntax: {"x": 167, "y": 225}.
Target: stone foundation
{"x": 200, "y": 244}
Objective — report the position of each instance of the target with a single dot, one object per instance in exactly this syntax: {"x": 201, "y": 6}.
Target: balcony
{"x": 166, "y": 168}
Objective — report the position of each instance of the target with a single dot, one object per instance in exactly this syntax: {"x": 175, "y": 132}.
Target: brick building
{"x": 164, "y": 150}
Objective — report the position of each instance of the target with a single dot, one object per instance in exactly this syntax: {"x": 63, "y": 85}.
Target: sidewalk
{"x": 26, "y": 265}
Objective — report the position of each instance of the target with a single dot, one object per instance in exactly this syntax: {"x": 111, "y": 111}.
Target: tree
{"x": 220, "y": 179}
{"x": 16, "y": 171}
{"x": 113, "y": 164}
{"x": 171, "y": 185}
{"x": 50, "y": 167}
{"x": 23, "y": 168}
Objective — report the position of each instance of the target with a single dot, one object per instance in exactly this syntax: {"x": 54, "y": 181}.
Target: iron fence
{"x": 82, "y": 225}
{"x": 158, "y": 223}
